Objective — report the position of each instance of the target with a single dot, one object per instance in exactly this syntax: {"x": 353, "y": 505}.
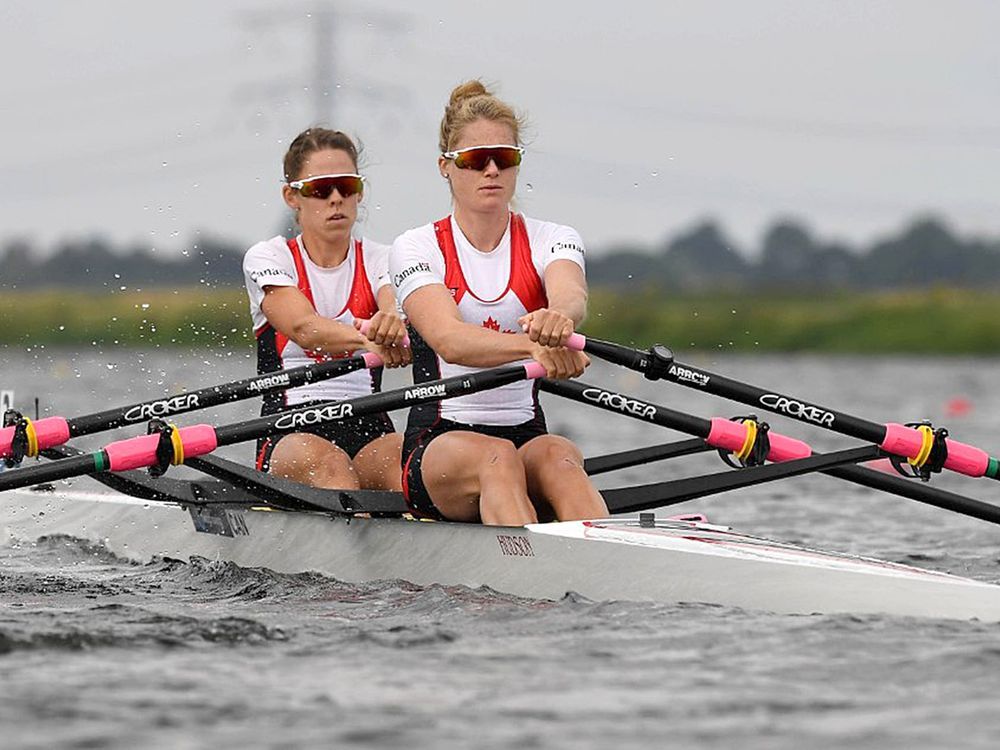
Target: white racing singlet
{"x": 275, "y": 351}
{"x": 510, "y": 404}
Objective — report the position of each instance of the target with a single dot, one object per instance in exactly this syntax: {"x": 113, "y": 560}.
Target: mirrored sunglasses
{"x": 323, "y": 185}
{"x": 478, "y": 157}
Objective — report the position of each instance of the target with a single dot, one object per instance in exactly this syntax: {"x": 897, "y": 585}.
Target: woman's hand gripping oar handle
{"x": 364, "y": 326}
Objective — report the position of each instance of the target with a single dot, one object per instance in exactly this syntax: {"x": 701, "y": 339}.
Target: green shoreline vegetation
{"x": 931, "y": 321}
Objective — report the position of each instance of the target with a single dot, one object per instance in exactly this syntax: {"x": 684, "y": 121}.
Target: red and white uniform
{"x": 342, "y": 293}
{"x": 491, "y": 289}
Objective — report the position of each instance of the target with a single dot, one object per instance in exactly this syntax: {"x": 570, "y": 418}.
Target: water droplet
{"x": 654, "y": 174}
{"x": 529, "y": 187}
{"x": 163, "y": 164}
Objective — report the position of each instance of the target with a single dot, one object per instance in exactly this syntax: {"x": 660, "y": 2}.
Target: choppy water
{"x": 99, "y": 651}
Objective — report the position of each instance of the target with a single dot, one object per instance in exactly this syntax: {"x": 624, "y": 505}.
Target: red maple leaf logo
{"x": 490, "y": 323}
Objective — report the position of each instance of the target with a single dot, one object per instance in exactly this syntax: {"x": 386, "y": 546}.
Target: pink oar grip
{"x": 902, "y": 440}
{"x": 727, "y": 434}
{"x": 6, "y": 440}
{"x": 367, "y": 324}
{"x": 906, "y": 441}
{"x": 371, "y": 360}
{"x": 49, "y": 432}
{"x": 534, "y": 370}
{"x": 730, "y": 436}
{"x": 784, "y": 448}
{"x": 576, "y": 342}
{"x": 966, "y": 459}
{"x": 139, "y": 452}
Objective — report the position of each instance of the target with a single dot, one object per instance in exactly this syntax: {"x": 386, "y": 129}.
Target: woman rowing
{"x": 308, "y": 296}
{"x": 480, "y": 288}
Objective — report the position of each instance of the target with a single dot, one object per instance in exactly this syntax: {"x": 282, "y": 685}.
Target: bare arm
{"x": 432, "y": 311}
{"x": 291, "y": 314}
{"x": 566, "y": 289}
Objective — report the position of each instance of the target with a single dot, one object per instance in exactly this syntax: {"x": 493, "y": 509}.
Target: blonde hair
{"x": 471, "y": 101}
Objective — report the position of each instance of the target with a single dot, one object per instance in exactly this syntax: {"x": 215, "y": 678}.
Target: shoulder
{"x": 269, "y": 263}
{"x": 553, "y": 240}
{"x": 372, "y": 249}
{"x": 414, "y": 244}
{"x": 275, "y": 248}
{"x": 418, "y": 237}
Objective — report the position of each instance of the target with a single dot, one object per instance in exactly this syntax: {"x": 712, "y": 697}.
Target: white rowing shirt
{"x": 491, "y": 289}
{"x": 342, "y": 293}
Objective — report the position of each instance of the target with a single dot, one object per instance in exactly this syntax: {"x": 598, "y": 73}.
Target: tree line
{"x": 924, "y": 253}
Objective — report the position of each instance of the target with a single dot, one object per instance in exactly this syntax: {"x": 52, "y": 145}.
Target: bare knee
{"x": 551, "y": 453}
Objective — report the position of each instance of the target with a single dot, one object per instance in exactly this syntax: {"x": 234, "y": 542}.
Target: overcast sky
{"x": 148, "y": 122}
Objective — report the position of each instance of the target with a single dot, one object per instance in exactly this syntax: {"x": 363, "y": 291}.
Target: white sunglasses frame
{"x": 452, "y": 155}
{"x": 299, "y": 184}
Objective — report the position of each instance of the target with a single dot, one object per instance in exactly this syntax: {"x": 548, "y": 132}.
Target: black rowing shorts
{"x": 350, "y": 435}
{"x": 418, "y": 499}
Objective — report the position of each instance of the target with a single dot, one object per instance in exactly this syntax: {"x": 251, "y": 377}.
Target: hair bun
{"x": 467, "y": 90}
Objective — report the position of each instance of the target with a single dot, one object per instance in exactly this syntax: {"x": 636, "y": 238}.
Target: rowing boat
{"x": 677, "y": 559}
{"x": 256, "y": 520}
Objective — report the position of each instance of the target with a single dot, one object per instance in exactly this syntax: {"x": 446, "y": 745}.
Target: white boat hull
{"x": 602, "y": 560}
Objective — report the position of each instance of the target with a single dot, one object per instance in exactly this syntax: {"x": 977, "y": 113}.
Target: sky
{"x": 157, "y": 124}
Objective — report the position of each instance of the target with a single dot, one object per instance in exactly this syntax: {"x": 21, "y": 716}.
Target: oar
{"x": 175, "y": 445}
{"x": 658, "y": 364}
{"x": 34, "y": 436}
{"x": 672, "y": 492}
{"x": 29, "y": 437}
{"x": 659, "y": 415}
{"x": 648, "y": 454}
{"x": 718, "y": 432}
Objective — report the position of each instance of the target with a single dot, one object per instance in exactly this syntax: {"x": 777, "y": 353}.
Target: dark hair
{"x": 471, "y": 101}
{"x": 312, "y": 140}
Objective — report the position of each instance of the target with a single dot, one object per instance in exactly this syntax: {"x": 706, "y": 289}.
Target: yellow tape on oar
{"x": 748, "y": 443}
{"x": 927, "y": 432}
{"x": 29, "y": 432}
{"x": 178, "y": 445}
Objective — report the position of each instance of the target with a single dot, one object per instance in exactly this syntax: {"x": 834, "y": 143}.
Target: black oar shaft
{"x": 639, "y": 456}
{"x": 927, "y": 447}
{"x": 660, "y": 494}
{"x": 138, "y": 452}
{"x": 632, "y": 407}
{"x": 719, "y": 385}
{"x": 919, "y": 491}
{"x": 211, "y": 396}
{"x": 293, "y": 421}
{"x": 53, "y": 471}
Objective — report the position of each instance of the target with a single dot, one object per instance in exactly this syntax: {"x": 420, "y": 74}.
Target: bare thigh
{"x": 378, "y": 463}
{"x": 310, "y": 459}
{"x": 473, "y": 477}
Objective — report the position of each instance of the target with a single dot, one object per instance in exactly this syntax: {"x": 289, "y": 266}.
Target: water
{"x": 99, "y": 651}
